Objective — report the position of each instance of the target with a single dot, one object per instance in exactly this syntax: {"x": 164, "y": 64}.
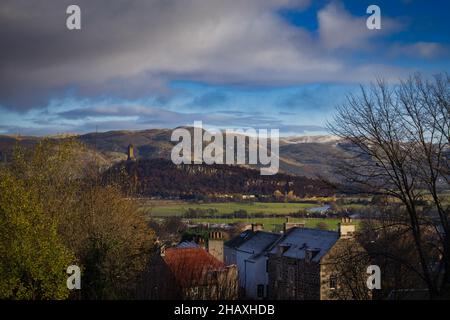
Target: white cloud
{"x": 338, "y": 29}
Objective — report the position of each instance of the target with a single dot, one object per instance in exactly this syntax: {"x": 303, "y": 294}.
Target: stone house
{"x": 313, "y": 264}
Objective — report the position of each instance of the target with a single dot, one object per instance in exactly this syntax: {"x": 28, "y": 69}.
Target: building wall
{"x": 234, "y": 256}
{"x": 251, "y": 272}
{"x": 229, "y": 256}
{"x": 327, "y": 270}
{"x": 256, "y": 275}
{"x": 293, "y": 279}
{"x": 346, "y": 259}
{"x": 216, "y": 285}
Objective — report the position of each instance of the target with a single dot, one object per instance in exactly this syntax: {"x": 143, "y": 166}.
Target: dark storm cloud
{"x": 132, "y": 49}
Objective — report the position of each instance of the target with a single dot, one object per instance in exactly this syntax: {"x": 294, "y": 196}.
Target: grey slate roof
{"x": 240, "y": 239}
{"x": 259, "y": 242}
{"x": 254, "y": 242}
{"x": 298, "y": 240}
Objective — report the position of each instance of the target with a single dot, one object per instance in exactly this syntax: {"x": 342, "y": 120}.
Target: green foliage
{"x": 53, "y": 170}
{"x": 111, "y": 240}
{"x": 53, "y": 213}
{"x": 33, "y": 258}
{"x": 191, "y": 235}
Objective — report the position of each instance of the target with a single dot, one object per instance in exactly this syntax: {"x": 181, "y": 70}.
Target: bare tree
{"x": 399, "y": 135}
{"x": 348, "y": 263}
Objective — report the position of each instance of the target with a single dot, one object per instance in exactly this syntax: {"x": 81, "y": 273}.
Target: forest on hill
{"x": 162, "y": 178}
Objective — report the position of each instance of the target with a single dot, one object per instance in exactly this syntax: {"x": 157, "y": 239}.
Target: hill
{"x": 312, "y": 156}
{"x": 162, "y": 178}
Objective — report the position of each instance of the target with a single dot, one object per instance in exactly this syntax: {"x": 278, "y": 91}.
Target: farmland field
{"x": 173, "y": 208}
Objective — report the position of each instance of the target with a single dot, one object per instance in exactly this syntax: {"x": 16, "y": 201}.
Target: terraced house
{"x": 300, "y": 264}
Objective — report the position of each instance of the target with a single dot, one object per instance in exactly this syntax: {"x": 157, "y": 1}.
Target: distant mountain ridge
{"x": 310, "y": 139}
{"x": 309, "y": 156}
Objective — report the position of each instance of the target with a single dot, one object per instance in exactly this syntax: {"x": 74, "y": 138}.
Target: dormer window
{"x": 310, "y": 253}
{"x": 282, "y": 248}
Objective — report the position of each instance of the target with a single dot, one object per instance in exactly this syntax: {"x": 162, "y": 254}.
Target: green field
{"x": 162, "y": 209}
{"x": 167, "y": 209}
{"x": 273, "y": 224}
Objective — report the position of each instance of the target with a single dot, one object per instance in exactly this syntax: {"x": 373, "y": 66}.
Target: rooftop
{"x": 298, "y": 240}
{"x": 254, "y": 242}
{"x": 189, "y": 265}
{"x": 188, "y": 244}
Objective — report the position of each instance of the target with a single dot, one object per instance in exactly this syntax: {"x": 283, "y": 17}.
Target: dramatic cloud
{"x": 133, "y": 49}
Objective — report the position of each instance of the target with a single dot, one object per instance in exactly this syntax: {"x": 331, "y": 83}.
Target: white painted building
{"x": 248, "y": 252}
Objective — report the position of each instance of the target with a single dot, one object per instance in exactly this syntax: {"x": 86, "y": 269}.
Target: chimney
{"x": 346, "y": 228}
{"x": 257, "y": 227}
{"x": 289, "y": 225}
{"x": 201, "y": 243}
{"x": 215, "y": 245}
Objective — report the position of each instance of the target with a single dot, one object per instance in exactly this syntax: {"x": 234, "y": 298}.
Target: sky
{"x": 275, "y": 64}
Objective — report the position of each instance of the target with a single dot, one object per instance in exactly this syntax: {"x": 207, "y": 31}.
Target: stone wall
{"x": 293, "y": 279}
{"x": 346, "y": 262}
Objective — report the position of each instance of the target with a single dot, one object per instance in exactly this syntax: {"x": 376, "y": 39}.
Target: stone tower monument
{"x": 130, "y": 153}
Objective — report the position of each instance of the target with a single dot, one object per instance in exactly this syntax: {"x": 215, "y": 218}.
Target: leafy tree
{"x": 53, "y": 170}
{"x": 33, "y": 258}
{"x": 58, "y": 188}
{"x": 112, "y": 241}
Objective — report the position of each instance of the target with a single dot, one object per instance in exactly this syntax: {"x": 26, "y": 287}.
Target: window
{"x": 333, "y": 282}
{"x": 308, "y": 255}
{"x": 260, "y": 290}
